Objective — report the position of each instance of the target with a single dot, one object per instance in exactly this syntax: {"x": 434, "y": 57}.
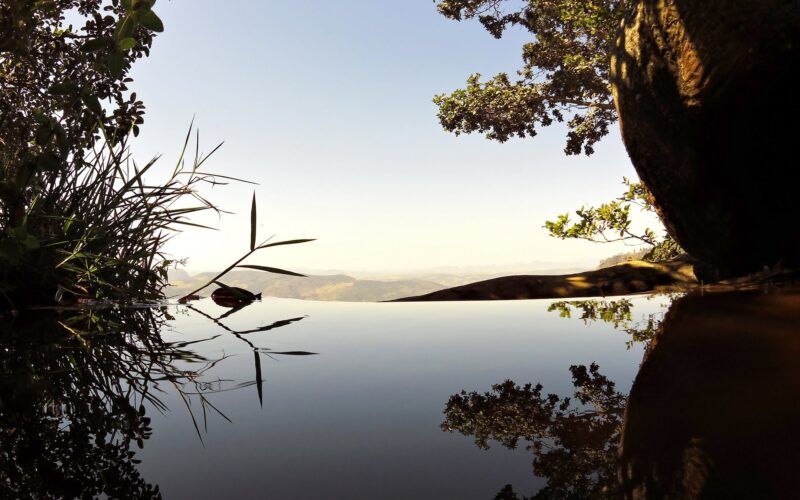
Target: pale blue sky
{"x": 327, "y": 105}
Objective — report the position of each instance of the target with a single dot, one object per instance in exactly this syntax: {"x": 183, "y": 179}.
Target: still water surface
{"x": 361, "y": 419}
{"x": 644, "y": 397}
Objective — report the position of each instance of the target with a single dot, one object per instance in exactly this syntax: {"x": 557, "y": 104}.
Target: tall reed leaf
{"x": 253, "y": 223}
{"x": 271, "y": 270}
{"x": 253, "y": 248}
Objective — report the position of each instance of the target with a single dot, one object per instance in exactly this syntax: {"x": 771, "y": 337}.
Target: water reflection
{"x": 257, "y": 351}
{"x": 72, "y": 394}
{"x": 712, "y": 413}
{"x": 711, "y": 408}
{"x": 75, "y": 391}
{"x": 617, "y": 312}
{"x": 573, "y": 440}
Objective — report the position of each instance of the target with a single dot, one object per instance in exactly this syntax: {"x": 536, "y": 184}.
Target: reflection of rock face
{"x": 706, "y": 96}
{"x": 713, "y": 412}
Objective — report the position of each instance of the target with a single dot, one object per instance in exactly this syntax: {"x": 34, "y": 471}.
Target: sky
{"x": 327, "y": 106}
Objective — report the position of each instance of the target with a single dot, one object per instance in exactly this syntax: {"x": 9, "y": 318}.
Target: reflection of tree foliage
{"x": 618, "y": 313}
{"x": 72, "y": 400}
{"x": 574, "y": 445}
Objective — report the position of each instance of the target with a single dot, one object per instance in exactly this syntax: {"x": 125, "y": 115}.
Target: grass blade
{"x": 253, "y": 223}
{"x": 271, "y": 270}
{"x": 287, "y": 242}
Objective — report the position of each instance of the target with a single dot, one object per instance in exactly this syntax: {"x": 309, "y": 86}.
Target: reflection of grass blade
{"x": 190, "y": 342}
{"x": 81, "y": 384}
{"x": 217, "y": 410}
{"x": 277, "y": 324}
{"x": 188, "y": 405}
{"x": 259, "y": 380}
{"x": 234, "y": 310}
{"x": 257, "y": 351}
{"x": 242, "y": 385}
{"x": 288, "y": 353}
{"x": 272, "y": 326}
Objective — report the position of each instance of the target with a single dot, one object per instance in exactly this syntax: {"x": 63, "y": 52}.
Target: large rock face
{"x": 707, "y": 97}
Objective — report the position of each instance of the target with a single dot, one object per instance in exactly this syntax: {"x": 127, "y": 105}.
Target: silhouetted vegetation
{"x": 73, "y": 396}
{"x": 63, "y": 66}
{"x": 75, "y": 390}
{"x": 565, "y": 75}
{"x": 618, "y": 313}
{"x": 257, "y": 351}
{"x": 611, "y": 222}
{"x": 237, "y": 295}
{"x": 574, "y": 440}
{"x": 78, "y": 219}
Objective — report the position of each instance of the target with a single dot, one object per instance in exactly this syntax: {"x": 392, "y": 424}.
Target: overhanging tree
{"x": 565, "y": 77}
{"x": 611, "y": 222}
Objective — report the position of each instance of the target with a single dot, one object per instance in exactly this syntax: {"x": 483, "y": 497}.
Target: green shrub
{"x": 77, "y": 217}
{"x": 611, "y": 222}
{"x": 98, "y": 228}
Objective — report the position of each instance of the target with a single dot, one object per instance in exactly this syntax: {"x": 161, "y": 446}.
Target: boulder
{"x": 706, "y": 95}
{"x": 634, "y": 276}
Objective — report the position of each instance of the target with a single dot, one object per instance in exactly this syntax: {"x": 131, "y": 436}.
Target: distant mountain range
{"x": 339, "y": 286}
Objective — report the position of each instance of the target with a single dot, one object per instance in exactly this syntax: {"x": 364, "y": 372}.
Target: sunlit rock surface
{"x": 634, "y": 276}
{"x": 706, "y": 97}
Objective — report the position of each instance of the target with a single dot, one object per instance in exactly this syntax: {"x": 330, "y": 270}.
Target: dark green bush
{"x": 77, "y": 216}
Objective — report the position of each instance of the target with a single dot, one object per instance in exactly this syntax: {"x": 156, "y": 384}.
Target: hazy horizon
{"x": 443, "y": 269}
{"x": 328, "y": 108}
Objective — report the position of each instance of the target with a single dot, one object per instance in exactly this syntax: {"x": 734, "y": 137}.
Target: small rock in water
{"x": 233, "y": 297}
{"x": 188, "y": 298}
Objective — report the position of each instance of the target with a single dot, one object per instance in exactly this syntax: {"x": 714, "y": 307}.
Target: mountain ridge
{"x": 340, "y": 286}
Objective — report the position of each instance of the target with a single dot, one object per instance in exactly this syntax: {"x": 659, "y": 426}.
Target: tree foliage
{"x": 63, "y": 67}
{"x": 611, "y": 222}
{"x": 73, "y": 209}
{"x": 63, "y": 84}
{"x": 564, "y": 77}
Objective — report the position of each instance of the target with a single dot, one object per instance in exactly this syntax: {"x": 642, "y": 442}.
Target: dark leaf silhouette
{"x": 271, "y": 270}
